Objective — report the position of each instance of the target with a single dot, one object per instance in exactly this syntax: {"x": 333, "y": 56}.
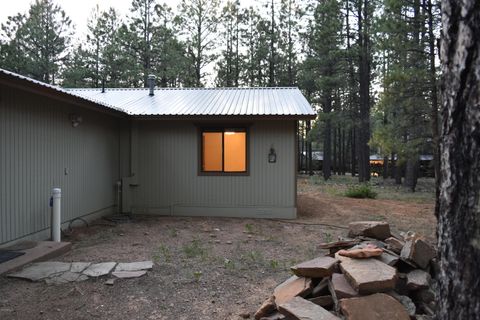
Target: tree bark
{"x": 299, "y": 148}
{"x": 459, "y": 201}
{"x": 344, "y": 152}
{"x": 385, "y": 167}
{"x": 364, "y": 93}
{"x": 399, "y": 172}
{"x": 309, "y": 150}
{"x": 335, "y": 154}
{"x": 411, "y": 174}
{"x": 434, "y": 100}
{"x": 310, "y": 156}
{"x": 327, "y": 137}
{"x": 392, "y": 165}
{"x": 271, "y": 62}
{"x": 353, "y": 152}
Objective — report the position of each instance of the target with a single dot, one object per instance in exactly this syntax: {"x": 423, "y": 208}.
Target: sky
{"x": 80, "y": 10}
{"x": 77, "y": 10}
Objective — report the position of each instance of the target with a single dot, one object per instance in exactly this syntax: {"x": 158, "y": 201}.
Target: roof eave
{"x": 224, "y": 117}
{"x": 46, "y": 91}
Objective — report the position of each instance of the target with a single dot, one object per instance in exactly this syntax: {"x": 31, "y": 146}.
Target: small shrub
{"x": 194, "y": 249}
{"x": 163, "y": 251}
{"x": 361, "y": 191}
{"x": 228, "y": 264}
{"x": 328, "y": 237}
{"x": 197, "y": 275}
{"x": 249, "y": 228}
{"x": 274, "y": 264}
{"x": 173, "y": 232}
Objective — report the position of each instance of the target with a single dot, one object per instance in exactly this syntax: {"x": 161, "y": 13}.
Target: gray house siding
{"x": 156, "y": 157}
{"x": 167, "y": 180}
{"x": 39, "y": 149}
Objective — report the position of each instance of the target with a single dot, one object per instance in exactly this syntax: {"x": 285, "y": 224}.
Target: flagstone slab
{"x": 41, "y": 270}
{"x": 301, "y": 309}
{"x": 66, "y": 277}
{"x": 79, "y": 266}
{"x": 342, "y": 288}
{"x": 316, "y": 268}
{"x": 377, "y": 306}
{"x": 368, "y": 275}
{"x": 292, "y": 287}
{"x": 134, "y": 266}
{"x": 99, "y": 269}
{"x": 129, "y": 274}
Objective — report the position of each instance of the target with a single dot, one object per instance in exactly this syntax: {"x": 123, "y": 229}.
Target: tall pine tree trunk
{"x": 411, "y": 174}
{"x": 353, "y": 152}
{"x": 385, "y": 167}
{"x": 309, "y": 150}
{"x": 392, "y": 166}
{"x": 434, "y": 100}
{"x": 327, "y": 136}
{"x": 344, "y": 143}
{"x": 335, "y": 153}
{"x": 459, "y": 201}
{"x": 271, "y": 59}
{"x": 364, "y": 93}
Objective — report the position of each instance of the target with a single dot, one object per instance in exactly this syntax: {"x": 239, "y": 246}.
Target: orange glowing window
{"x": 224, "y": 150}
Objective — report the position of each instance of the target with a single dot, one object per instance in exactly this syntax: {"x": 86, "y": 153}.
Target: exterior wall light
{"x": 272, "y": 156}
{"x": 76, "y": 120}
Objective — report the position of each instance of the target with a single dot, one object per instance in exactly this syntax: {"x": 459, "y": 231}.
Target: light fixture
{"x": 229, "y": 133}
{"x": 75, "y": 119}
{"x": 272, "y": 156}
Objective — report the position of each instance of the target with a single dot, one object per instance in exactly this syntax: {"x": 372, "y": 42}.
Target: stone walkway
{"x": 53, "y": 272}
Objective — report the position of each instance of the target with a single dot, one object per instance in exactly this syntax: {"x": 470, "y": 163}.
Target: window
{"x": 224, "y": 150}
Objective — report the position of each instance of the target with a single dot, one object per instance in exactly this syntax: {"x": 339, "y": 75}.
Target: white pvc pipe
{"x": 56, "y": 218}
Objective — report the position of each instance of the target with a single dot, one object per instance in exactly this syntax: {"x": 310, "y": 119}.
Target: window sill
{"x": 227, "y": 174}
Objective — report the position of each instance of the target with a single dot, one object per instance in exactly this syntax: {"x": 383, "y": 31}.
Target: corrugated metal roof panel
{"x": 203, "y": 102}
{"x": 13, "y": 75}
{"x": 281, "y": 101}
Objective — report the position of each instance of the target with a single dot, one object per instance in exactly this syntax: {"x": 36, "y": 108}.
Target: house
{"x": 189, "y": 152}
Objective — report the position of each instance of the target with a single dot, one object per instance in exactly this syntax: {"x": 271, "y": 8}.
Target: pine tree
{"x": 459, "y": 202}
{"x": 77, "y": 73}
{"x": 169, "y": 63}
{"x": 11, "y": 57}
{"x": 404, "y": 102}
{"x": 228, "y": 66}
{"x": 364, "y": 16}
{"x": 325, "y": 59}
{"x": 288, "y": 30}
{"x": 198, "y": 21}
{"x": 40, "y": 40}
{"x": 141, "y": 30}
{"x": 255, "y": 39}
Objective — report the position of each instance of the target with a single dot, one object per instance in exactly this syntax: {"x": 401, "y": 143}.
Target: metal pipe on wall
{"x": 56, "y": 214}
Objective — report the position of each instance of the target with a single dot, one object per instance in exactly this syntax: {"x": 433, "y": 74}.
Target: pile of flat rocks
{"x": 369, "y": 275}
{"x": 55, "y": 272}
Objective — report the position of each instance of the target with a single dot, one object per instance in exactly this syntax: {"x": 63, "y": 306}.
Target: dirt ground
{"x": 205, "y": 268}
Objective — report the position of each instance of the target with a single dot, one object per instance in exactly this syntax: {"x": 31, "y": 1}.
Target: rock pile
{"x": 370, "y": 275}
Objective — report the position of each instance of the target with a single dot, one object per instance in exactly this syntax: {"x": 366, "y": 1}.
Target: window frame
{"x": 222, "y": 129}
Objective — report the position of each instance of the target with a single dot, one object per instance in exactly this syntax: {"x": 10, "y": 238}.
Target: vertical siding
{"x": 37, "y": 145}
{"x": 168, "y": 160}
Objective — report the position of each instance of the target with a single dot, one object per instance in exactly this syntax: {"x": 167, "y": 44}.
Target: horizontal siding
{"x": 39, "y": 149}
{"x": 168, "y": 161}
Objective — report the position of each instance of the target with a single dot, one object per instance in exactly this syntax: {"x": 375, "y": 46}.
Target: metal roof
{"x": 192, "y": 102}
{"x": 279, "y": 101}
{"x": 8, "y": 75}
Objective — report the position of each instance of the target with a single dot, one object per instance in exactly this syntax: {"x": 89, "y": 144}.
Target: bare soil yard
{"x": 206, "y": 268}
